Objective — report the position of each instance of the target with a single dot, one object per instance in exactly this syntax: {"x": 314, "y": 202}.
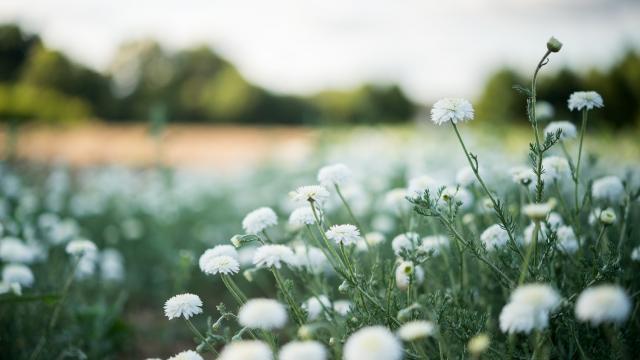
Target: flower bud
{"x": 344, "y": 287}
{"x": 305, "y": 332}
{"x": 478, "y": 344}
{"x": 554, "y": 45}
{"x": 236, "y": 240}
{"x": 608, "y": 216}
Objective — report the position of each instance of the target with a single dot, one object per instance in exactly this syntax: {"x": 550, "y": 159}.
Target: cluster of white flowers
{"x": 302, "y": 216}
{"x": 529, "y": 309}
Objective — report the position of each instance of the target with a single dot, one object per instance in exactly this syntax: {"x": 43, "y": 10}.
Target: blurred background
{"x": 153, "y": 127}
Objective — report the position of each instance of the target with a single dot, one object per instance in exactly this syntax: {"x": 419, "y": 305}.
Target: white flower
{"x": 524, "y": 176}
{"x": 415, "y": 330}
{"x": 265, "y": 314}
{"x": 405, "y": 242}
{"x": 246, "y": 350}
{"x": 537, "y": 212}
{"x": 605, "y": 216}
{"x": 522, "y": 318}
{"x": 10, "y": 287}
{"x": 478, "y": 344}
{"x": 635, "y": 254}
{"x": 214, "y": 252}
{"x": 418, "y": 185}
{"x": 433, "y": 244}
{"x": 451, "y": 109}
{"x": 544, "y": 110}
{"x": 405, "y": 272}
{"x": 456, "y": 195}
{"x": 80, "y": 247}
{"x": 555, "y": 220}
{"x": 603, "y": 304}
{"x": 311, "y": 258}
{"x": 187, "y": 355}
{"x": 371, "y": 239}
{"x": 183, "y": 305}
{"x": 568, "y": 130}
{"x": 608, "y": 188}
{"x": 342, "y": 307}
{"x": 15, "y": 251}
{"x": 311, "y": 193}
{"x": 346, "y": 234}
{"x": 585, "y": 99}
{"x": 273, "y": 256}
{"x": 331, "y": 175}
{"x": 567, "y": 240}
{"x": 396, "y": 199}
{"x": 372, "y": 343}
{"x": 302, "y": 216}
{"x": 465, "y": 176}
{"x": 528, "y": 233}
{"x": 222, "y": 264}
{"x": 17, "y": 274}
{"x": 303, "y": 350}
{"x": 555, "y": 168}
{"x": 258, "y": 220}
{"x": 316, "y": 305}
{"x": 111, "y": 265}
{"x": 494, "y": 237}
{"x": 541, "y": 297}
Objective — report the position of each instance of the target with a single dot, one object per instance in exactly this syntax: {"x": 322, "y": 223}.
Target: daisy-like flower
{"x": 609, "y": 189}
{"x": 13, "y": 250}
{"x": 302, "y": 216}
{"x": 405, "y": 242}
{"x": 494, "y": 237}
{"x": 537, "y": 212}
{"x": 187, "y": 355}
{"x": 336, "y": 174}
{"x": 451, "y": 109}
{"x": 307, "y": 350}
{"x": 433, "y": 243}
{"x": 603, "y": 304}
{"x": 418, "y": 185}
{"x": 345, "y": 234}
{"x": 416, "y": 330}
{"x": 222, "y": 264}
{"x": 522, "y": 318}
{"x": 311, "y": 193}
{"x": 342, "y": 307}
{"x": 183, "y": 305}
{"x": 265, "y": 314}
{"x": 258, "y": 220}
{"x": 524, "y": 176}
{"x": 585, "y": 100}
{"x": 372, "y": 343}
{"x": 541, "y": 297}
{"x": 567, "y": 240}
{"x": 568, "y": 130}
{"x": 404, "y": 273}
{"x": 214, "y": 252}
{"x": 273, "y": 256}
{"x": 17, "y": 274}
{"x": 316, "y": 305}
{"x": 246, "y": 350}
{"x": 80, "y": 247}
{"x": 555, "y": 168}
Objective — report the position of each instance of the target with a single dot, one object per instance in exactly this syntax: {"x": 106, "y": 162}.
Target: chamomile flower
{"x": 456, "y": 195}
{"x": 307, "y": 350}
{"x": 603, "y": 304}
{"x": 265, "y": 314}
{"x": 524, "y": 176}
{"x": 302, "y": 216}
{"x": 345, "y": 234}
{"x": 311, "y": 193}
{"x": 522, "y": 318}
{"x": 537, "y": 211}
{"x": 494, "y": 237}
{"x": 316, "y": 305}
{"x": 478, "y": 344}
{"x": 406, "y": 272}
{"x": 544, "y": 111}
{"x": 567, "y": 129}
{"x": 273, "y": 256}
{"x": 222, "y": 264}
{"x": 405, "y": 242}
{"x": 187, "y": 355}
{"x": 372, "y": 343}
{"x": 214, "y": 252}
{"x": 585, "y": 100}
{"x": 416, "y": 330}
{"x": 80, "y": 247}
{"x": 451, "y": 109}
{"x": 609, "y": 189}
{"x": 541, "y": 297}
{"x": 246, "y": 350}
{"x": 258, "y": 220}
{"x": 17, "y": 274}
{"x": 332, "y": 175}
{"x": 183, "y": 305}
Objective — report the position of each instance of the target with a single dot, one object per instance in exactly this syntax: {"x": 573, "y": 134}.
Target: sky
{"x": 432, "y": 48}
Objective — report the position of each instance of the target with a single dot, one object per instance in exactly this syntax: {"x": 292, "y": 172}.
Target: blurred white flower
{"x": 372, "y": 239}
{"x": 541, "y": 297}
{"x": 258, "y": 220}
{"x": 433, "y": 244}
{"x": 222, "y": 264}
{"x": 342, "y": 307}
{"x": 537, "y": 211}
{"x": 555, "y": 168}
{"x": 273, "y": 256}
{"x": 182, "y": 305}
{"x": 345, "y": 234}
{"x": 568, "y": 130}
{"x": 416, "y": 330}
{"x": 311, "y": 193}
{"x": 6, "y": 287}
{"x": 405, "y": 242}
{"x": 494, "y": 237}
{"x": 372, "y": 343}
{"x": 214, "y": 252}
{"x": 418, "y": 185}
{"x": 478, "y": 344}
{"x": 544, "y": 111}
{"x": 13, "y": 250}
{"x": 609, "y": 189}
{"x": 246, "y": 350}
{"x": 524, "y": 176}
{"x": 265, "y": 314}
{"x": 303, "y": 350}
{"x": 555, "y": 220}
{"x": 605, "y": 216}
{"x": 522, "y": 318}
{"x": 567, "y": 240}
{"x": 451, "y": 109}
{"x": 331, "y": 175}
{"x": 585, "y": 100}
{"x": 603, "y": 304}
{"x": 635, "y": 254}
{"x": 466, "y": 177}
{"x": 395, "y": 200}
{"x": 187, "y": 355}
{"x": 316, "y": 305}
{"x": 405, "y": 272}
{"x": 80, "y": 247}
{"x": 17, "y": 274}
{"x": 111, "y": 265}
{"x": 302, "y": 216}
{"x": 456, "y": 195}
{"x": 312, "y": 259}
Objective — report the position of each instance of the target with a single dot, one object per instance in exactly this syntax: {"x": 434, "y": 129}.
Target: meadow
{"x": 444, "y": 240}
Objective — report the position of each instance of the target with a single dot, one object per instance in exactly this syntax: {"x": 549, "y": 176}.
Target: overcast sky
{"x": 433, "y": 48}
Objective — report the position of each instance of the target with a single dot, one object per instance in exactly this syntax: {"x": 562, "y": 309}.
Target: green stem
{"x": 297, "y": 313}
{"x": 530, "y": 251}
{"x": 577, "y": 174}
{"x": 200, "y": 336}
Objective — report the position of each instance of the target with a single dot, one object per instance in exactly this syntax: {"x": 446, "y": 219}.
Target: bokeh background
{"x": 152, "y": 127}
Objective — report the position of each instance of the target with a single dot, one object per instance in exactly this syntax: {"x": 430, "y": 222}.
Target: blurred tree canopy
{"x": 619, "y": 86}
{"x": 194, "y": 84}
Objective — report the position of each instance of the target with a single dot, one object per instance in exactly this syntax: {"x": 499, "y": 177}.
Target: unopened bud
{"x": 554, "y": 45}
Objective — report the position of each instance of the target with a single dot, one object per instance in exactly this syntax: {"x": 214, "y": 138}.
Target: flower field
{"x": 373, "y": 247}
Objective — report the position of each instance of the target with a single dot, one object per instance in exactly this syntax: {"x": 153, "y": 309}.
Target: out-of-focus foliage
{"x": 620, "y": 85}
{"x": 21, "y": 102}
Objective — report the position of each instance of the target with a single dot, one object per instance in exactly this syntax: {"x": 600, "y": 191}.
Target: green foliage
{"x": 25, "y": 102}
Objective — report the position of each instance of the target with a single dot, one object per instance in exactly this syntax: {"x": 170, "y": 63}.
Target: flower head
{"x": 603, "y": 304}
{"x": 311, "y": 258}
{"x": 405, "y": 242}
{"x": 17, "y": 274}
{"x": 567, "y": 240}
{"x": 522, "y": 318}
{"x": 80, "y": 247}
{"x": 371, "y": 239}
{"x": 307, "y": 350}
{"x": 302, "y": 216}
{"x": 537, "y": 211}
{"x": 418, "y": 185}
{"x": 541, "y": 297}
{"x": 345, "y": 234}
{"x": 331, "y": 175}
{"x": 415, "y": 330}
{"x": 310, "y": 193}
{"x": 555, "y": 168}
{"x": 259, "y": 220}
{"x": 396, "y": 199}
{"x": 406, "y": 272}
{"x": 187, "y": 355}
{"x": 13, "y": 250}
{"x": 342, "y": 307}
{"x": 265, "y": 314}
{"x": 433, "y": 243}
{"x": 316, "y": 305}
{"x": 183, "y": 305}
{"x": 372, "y": 343}
{"x": 554, "y": 45}
{"x": 494, "y": 237}
{"x": 608, "y": 188}
{"x": 451, "y": 109}
{"x": 246, "y": 350}
{"x": 585, "y": 100}
{"x": 523, "y": 175}
{"x": 478, "y": 344}
{"x": 214, "y": 252}
{"x": 222, "y": 264}
{"x": 273, "y": 256}
{"x": 567, "y": 129}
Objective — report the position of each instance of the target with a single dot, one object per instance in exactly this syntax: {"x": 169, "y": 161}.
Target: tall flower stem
{"x": 530, "y": 252}
{"x": 576, "y": 178}
{"x": 234, "y": 289}
{"x": 534, "y": 122}
{"x": 295, "y": 308}
{"x": 199, "y": 335}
